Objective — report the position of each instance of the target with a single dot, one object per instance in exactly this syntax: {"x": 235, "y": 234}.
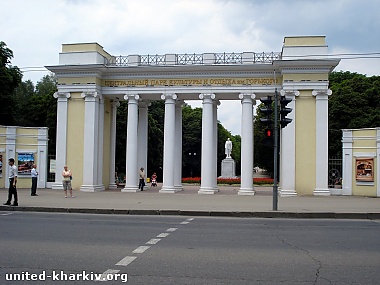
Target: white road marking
{"x": 171, "y": 229}
{"x": 153, "y": 241}
{"x": 184, "y": 223}
{"x": 106, "y": 273}
{"x": 126, "y": 260}
{"x": 163, "y": 235}
{"x": 190, "y": 219}
{"x": 141, "y": 249}
{"x": 6, "y": 214}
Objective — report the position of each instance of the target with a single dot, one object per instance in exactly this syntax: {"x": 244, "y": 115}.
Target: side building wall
{"x": 361, "y": 154}
{"x": 26, "y": 146}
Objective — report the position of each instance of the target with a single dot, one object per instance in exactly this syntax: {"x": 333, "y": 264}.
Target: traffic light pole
{"x": 275, "y": 152}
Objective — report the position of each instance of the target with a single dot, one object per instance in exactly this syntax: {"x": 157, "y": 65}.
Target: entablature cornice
{"x": 305, "y": 85}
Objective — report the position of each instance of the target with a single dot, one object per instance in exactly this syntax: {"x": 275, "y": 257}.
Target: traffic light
{"x": 267, "y": 120}
{"x": 284, "y": 111}
{"x": 267, "y": 111}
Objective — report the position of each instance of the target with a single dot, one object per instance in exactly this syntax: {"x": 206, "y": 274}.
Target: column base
{"x": 131, "y": 189}
{"x": 246, "y": 191}
{"x": 321, "y": 192}
{"x": 112, "y": 186}
{"x": 207, "y": 190}
{"x": 178, "y": 188}
{"x": 57, "y": 186}
{"x": 287, "y": 193}
{"x": 169, "y": 189}
{"x": 92, "y": 188}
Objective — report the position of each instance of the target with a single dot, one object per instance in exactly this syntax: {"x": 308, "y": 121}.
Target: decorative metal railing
{"x": 193, "y": 58}
{"x": 152, "y": 59}
{"x": 228, "y": 58}
{"x": 187, "y": 58}
{"x": 266, "y": 57}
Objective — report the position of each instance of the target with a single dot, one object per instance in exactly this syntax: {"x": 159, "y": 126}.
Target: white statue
{"x": 228, "y": 148}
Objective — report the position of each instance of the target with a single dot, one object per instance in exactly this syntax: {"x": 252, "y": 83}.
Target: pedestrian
{"x": 34, "y": 173}
{"x": 12, "y": 183}
{"x": 154, "y": 179}
{"x": 66, "y": 181}
{"x": 142, "y": 179}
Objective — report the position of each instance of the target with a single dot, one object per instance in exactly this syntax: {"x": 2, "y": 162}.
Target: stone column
{"x": 91, "y": 143}
{"x": 215, "y": 143}
{"x": 178, "y": 147}
{"x": 131, "y": 167}
{"x": 114, "y": 105}
{"x": 246, "y": 187}
{"x": 10, "y": 150}
{"x": 288, "y": 149}
{"x": 347, "y": 170}
{"x": 169, "y": 144}
{"x": 61, "y": 137}
{"x": 42, "y": 157}
{"x": 207, "y": 164}
{"x": 142, "y": 137}
{"x": 100, "y": 141}
{"x": 322, "y": 128}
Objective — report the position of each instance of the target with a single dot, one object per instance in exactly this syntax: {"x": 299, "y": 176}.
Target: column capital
{"x": 131, "y": 98}
{"x": 57, "y": 95}
{"x": 89, "y": 94}
{"x": 289, "y": 93}
{"x": 203, "y": 96}
{"x": 166, "y": 96}
{"x": 247, "y": 97}
{"x": 115, "y": 103}
{"x": 321, "y": 92}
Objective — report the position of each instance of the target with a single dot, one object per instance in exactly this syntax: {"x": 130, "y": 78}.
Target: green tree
{"x": 355, "y": 103}
{"x": 38, "y": 108}
{"x": 10, "y": 78}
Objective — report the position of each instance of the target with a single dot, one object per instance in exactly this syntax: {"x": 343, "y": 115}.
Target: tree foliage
{"x": 354, "y": 104}
{"x": 10, "y": 78}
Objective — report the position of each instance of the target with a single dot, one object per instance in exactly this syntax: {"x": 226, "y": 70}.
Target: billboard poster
{"x": 25, "y": 162}
{"x": 364, "y": 169}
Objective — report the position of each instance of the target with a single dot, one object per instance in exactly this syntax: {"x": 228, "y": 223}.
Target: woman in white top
{"x": 66, "y": 181}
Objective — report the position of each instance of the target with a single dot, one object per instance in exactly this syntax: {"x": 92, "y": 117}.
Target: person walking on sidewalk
{"x": 142, "y": 179}
{"x": 66, "y": 181}
{"x": 34, "y": 174}
{"x": 12, "y": 183}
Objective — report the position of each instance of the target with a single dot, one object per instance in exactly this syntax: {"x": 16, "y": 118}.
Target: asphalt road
{"x": 186, "y": 250}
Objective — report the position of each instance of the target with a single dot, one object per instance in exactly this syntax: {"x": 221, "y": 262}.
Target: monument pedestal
{"x": 228, "y": 168}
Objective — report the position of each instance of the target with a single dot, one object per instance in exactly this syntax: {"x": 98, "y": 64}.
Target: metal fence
{"x": 335, "y": 172}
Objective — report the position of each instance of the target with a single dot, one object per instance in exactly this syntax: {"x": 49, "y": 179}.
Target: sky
{"x": 35, "y": 30}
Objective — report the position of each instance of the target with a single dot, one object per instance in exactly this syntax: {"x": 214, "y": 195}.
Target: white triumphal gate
{"x": 91, "y": 83}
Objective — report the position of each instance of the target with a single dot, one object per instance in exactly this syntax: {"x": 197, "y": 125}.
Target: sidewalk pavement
{"x": 188, "y": 202}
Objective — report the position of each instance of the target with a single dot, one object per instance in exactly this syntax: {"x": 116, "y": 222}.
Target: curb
{"x": 267, "y": 214}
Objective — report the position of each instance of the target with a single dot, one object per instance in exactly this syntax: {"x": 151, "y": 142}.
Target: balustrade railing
{"x": 193, "y": 58}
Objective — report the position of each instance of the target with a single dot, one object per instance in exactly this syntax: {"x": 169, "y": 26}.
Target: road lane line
{"x": 106, "y": 273}
{"x": 141, "y": 249}
{"x": 163, "y": 235}
{"x": 126, "y": 260}
{"x": 184, "y": 223}
{"x": 190, "y": 219}
{"x": 153, "y": 241}
{"x": 171, "y": 229}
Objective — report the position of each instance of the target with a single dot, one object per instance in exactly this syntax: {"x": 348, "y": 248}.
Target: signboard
{"x": 25, "y": 162}
{"x": 52, "y": 166}
{"x": 364, "y": 169}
